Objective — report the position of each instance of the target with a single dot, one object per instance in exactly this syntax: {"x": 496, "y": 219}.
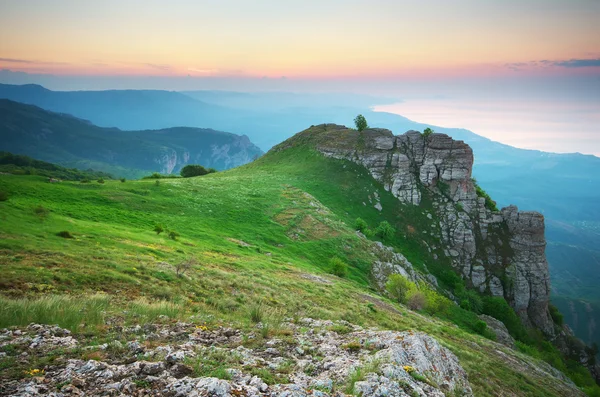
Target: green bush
{"x": 361, "y": 225}
{"x": 158, "y": 228}
{"x": 556, "y": 315}
{"x": 399, "y": 287}
{"x": 101, "y": 180}
{"x": 85, "y": 181}
{"x": 173, "y": 234}
{"x": 489, "y": 203}
{"x": 156, "y": 175}
{"x": 41, "y": 211}
{"x": 416, "y": 300}
{"x": 498, "y": 308}
{"x": 3, "y": 195}
{"x": 338, "y": 267}
{"x": 480, "y": 327}
{"x": 436, "y": 303}
{"x": 191, "y": 170}
{"x": 360, "y": 122}
{"x": 428, "y": 131}
{"x": 469, "y": 299}
{"x": 385, "y": 230}
{"x": 123, "y": 180}
{"x": 65, "y": 234}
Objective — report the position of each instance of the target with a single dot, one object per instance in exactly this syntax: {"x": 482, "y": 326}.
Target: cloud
{"x": 12, "y": 60}
{"x": 215, "y": 72}
{"x": 158, "y": 66}
{"x": 579, "y": 63}
{"x": 570, "y": 63}
{"x": 31, "y": 61}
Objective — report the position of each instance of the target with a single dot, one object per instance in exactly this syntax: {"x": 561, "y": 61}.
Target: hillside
{"x": 547, "y": 182}
{"x": 66, "y": 140}
{"x": 248, "y": 263}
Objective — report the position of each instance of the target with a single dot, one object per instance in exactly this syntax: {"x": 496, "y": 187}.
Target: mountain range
{"x": 70, "y": 141}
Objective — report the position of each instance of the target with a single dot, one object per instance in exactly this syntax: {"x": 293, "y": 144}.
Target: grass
{"x": 258, "y": 230}
{"x": 69, "y": 312}
{"x": 213, "y": 362}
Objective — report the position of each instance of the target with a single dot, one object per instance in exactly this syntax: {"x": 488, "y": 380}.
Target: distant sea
{"x": 553, "y": 126}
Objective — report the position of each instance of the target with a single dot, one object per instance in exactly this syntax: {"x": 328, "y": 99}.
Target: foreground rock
{"x": 313, "y": 358}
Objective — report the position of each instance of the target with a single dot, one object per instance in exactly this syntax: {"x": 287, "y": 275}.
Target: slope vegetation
{"x": 252, "y": 244}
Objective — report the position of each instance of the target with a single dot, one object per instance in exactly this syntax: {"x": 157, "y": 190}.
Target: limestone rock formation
{"x": 501, "y": 252}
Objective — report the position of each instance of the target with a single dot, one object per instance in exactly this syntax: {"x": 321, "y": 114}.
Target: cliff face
{"x": 220, "y": 154}
{"x": 499, "y": 252}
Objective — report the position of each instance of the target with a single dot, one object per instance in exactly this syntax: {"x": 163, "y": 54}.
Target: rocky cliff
{"x": 498, "y": 252}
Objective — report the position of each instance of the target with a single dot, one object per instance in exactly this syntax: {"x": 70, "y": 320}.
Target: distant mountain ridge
{"x": 67, "y": 140}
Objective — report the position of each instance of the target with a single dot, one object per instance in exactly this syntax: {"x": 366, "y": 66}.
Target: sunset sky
{"x": 476, "y": 64}
{"x": 308, "y": 38}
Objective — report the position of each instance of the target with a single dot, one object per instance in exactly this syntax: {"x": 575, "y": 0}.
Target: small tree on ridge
{"x": 360, "y": 122}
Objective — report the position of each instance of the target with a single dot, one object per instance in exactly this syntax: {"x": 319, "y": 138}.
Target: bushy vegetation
{"x": 361, "y": 225}
{"x": 338, "y": 267}
{"x": 385, "y": 230}
{"x": 192, "y": 170}
{"x": 556, "y": 315}
{"x": 427, "y": 132}
{"x": 157, "y": 175}
{"x": 23, "y": 165}
{"x": 498, "y": 308}
{"x": 360, "y": 123}
{"x": 489, "y": 203}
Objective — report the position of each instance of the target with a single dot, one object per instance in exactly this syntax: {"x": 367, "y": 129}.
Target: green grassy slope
{"x": 259, "y": 234}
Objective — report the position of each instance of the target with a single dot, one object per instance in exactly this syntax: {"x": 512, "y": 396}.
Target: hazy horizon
{"x": 522, "y": 73}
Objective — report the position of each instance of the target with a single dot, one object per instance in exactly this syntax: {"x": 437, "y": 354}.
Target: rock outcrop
{"x": 499, "y": 252}
{"x": 321, "y": 362}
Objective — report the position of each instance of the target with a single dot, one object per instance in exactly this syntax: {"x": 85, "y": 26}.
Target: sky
{"x": 536, "y": 53}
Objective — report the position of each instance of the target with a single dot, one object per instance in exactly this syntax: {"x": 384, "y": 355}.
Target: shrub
{"x": 158, "y": 228}
{"x": 361, "y": 225}
{"x": 338, "y": 267}
{"x": 416, "y": 300}
{"x": 360, "y": 122}
{"x": 101, "y": 180}
{"x": 385, "y": 230}
{"x": 436, "y": 303}
{"x": 191, "y": 170}
{"x": 185, "y": 265}
{"x": 157, "y": 183}
{"x": 498, "y": 308}
{"x": 173, "y": 234}
{"x": 556, "y": 315}
{"x": 489, "y": 203}
{"x": 470, "y": 300}
{"x": 428, "y": 131}
{"x": 123, "y": 180}
{"x": 65, "y": 234}
{"x": 399, "y": 287}
{"x": 41, "y": 211}
{"x": 480, "y": 327}
{"x": 3, "y": 195}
